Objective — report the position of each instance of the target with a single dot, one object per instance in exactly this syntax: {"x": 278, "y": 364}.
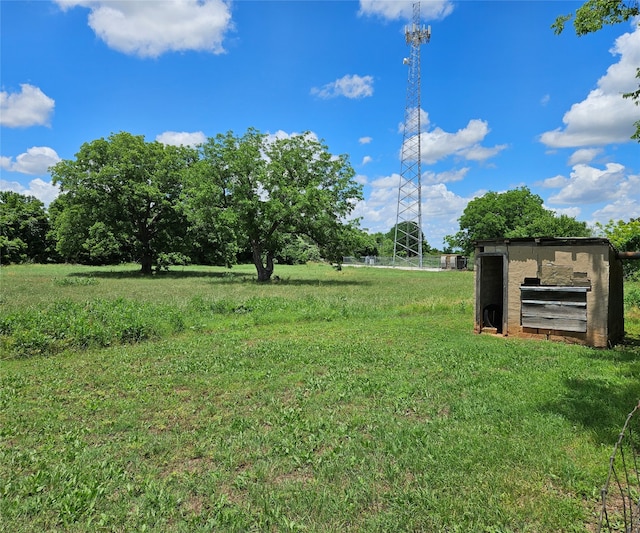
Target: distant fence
{"x": 449, "y": 261}
{"x": 621, "y": 494}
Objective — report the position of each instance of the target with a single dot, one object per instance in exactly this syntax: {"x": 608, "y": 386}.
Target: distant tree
{"x": 24, "y": 226}
{"x": 258, "y": 192}
{"x": 120, "y": 200}
{"x": 515, "y": 213}
{"x": 70, "y": 233}
{"x": 346, "y": 239}
{"x": 408, "y": 228}
{"x": 551, "y": 225}
{"x": 592, "y": 16}
{"x": 298, "y": 250}
{"x": 368, "y": 245}
{"x": 383, "y": 244}
{"x": 625, "y": 236}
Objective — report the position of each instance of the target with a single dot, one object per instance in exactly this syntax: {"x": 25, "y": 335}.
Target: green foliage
{"x": 166, "y": 260}
{"x": 360, "y": 244}
{"x": 625, "y": 236}
{"x": 64, "y": 325}
{"x": 594, "y": 14}
{"x": 407, "y": 232}
{"x": 124, "y": 199}
{"x": 75, "y": 282}
{"x": 23, "y": 229}
{"x": 298, "y": 250}
{"x": 102, "y": 246}
{"x": 632, "y": 296}
{"x": 515, "y": 213}
{"x": 258, "y": 192}
{"x": 120, "y": 198}
{"x": 384, "y": 244}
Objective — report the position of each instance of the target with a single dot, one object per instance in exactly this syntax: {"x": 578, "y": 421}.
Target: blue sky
{"x": 505, "y": 102}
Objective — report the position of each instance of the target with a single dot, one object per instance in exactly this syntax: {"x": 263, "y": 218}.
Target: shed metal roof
{"x": 547, "y": 241}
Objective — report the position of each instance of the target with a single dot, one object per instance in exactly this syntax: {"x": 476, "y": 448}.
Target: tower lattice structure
{"x": 407, "y": 246}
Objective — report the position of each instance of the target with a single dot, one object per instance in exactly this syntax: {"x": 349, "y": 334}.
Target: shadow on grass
{"x": 601, "y": 404}
{"x": 172, "y": 274}
{"x": 228, "y": 277}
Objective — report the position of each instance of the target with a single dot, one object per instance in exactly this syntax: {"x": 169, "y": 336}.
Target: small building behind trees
{"x": 568, "y": 289}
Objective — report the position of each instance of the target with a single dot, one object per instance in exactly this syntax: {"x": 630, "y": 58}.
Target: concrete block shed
{"x": 565, "y": 289}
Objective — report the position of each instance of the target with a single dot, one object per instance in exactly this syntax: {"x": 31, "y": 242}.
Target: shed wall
{"x": 570, "y": 291}
{"x": 616, "y": 298}
{"x": 559, "y": 266}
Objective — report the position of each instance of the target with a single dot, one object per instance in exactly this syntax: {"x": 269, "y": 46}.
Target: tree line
{"x": 247, "y": 198}
{"x": 234, "y": 198}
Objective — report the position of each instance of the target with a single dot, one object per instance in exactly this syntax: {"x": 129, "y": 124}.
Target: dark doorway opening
{"x": 491, "y": 287}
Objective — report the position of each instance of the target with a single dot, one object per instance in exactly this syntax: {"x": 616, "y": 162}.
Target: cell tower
{"x": 407, "y": 245}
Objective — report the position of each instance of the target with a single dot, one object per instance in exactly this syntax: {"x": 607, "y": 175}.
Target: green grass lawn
{"x": 353, "y": 400}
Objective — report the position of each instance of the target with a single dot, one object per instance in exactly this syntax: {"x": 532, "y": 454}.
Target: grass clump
{"x": 632, "y": 295}
{"x": 96, "y": 323}
{"x": 75, "y": 282}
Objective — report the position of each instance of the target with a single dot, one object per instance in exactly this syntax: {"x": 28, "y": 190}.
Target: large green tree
{"x": 515, "y": 213}
{"x": 120, "y": 199}
{"x": 592, "y": 16}
{"x": 23, "y": 229}
{"x": 258, "y": 192}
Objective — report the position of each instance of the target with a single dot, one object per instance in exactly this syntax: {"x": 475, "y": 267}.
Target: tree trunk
{"x": 264, "y": 271}
{"x": 147, "y": 264}
{"x": 146, "y": 261}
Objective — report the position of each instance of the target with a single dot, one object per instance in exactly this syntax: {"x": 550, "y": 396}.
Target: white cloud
{"x": 545, "y": 100}
{"x": 149, "y": 29}
{"x": 445, "y": 177}
{"x": 349, "y": 86}
{"x": 440, "y": 202}
{"x": 365, "y": 140}
{"x": 361, "y": 179}
{"x": 36, "y": 161}
{"x": 378, "y": 210}
{"x": 397, "y": 9}
{"x": 182, "y": 138}
{"x": 573, "y": 212}
{"x": 366, "y": 159}
{"x": 438, "y": 144}
{"x": 387, "y": 182}
{"x": 44, "y": 191}
{"x": 590, "y": 185}
{"x": 481, "y": 153}
{"x": 604, "y": 117}
{"x": 411, "y": 118}
{"x": 584, "y": 155}
{"x": 620, "y": 209}
{"x": 29, "y": 107}
{"x": 441, "y": 208}
{"x": 553, "y": 183}
{"x": 281, "y": 134}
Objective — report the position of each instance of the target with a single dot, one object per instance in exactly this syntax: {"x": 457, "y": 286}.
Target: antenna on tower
{"x": 407, "y": 245}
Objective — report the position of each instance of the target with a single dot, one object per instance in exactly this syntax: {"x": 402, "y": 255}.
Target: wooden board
{"x": 554, "y": 308}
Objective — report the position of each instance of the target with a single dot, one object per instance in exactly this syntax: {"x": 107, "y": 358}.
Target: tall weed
{"x": 96, "y": 323}
{"x": 632, "y": 296}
